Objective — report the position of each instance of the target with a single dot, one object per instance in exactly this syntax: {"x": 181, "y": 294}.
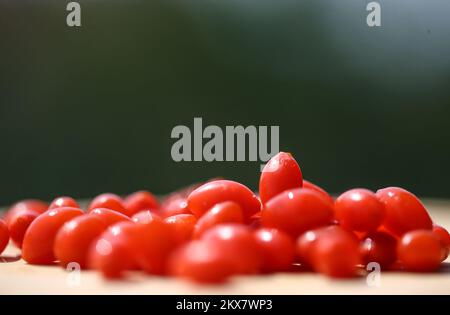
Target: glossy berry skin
{"x": 419, "y": 251}
{"x": 111, "y": 253}
{"x": 109, "y": 216}
{"x": 332, "y": 251}
{"x": 139, "y": 201}
{"x": 200, "y": 261}
{"x": 145, "y": 216}
{"x": 63, "y": 202}
{"x": 336, "y": 255}
{"x": 18, "y": 223}
{"x": 206, "y": 196}
{"x": 444, "y": 237}
{"x": 306, "y": 243}
{"x": 277, "y": 249}
{"x": 108, "y": 201}
{"x": 296, "y": 211}
{"x": 182, "y": 225}
{"x": 28, "y": 204}
{"x": 151, "y": 246}
{"x": 4, "y": 236}
{"x": 174, "y": 206}
{"x": 74, "y": 238}
{"x": 379, "y": 247}
{"x": 308, "y": 184}
{"x": 239, "y": 245}
{"x": 224, "y": 212}
{"x": 404, "y": 211}
{"x": 279, "y": 174}
{"x": 359, "y": 210}
{"x": 37, "y": 247}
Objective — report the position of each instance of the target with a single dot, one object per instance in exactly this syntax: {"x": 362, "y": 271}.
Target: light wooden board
{"x": 19, "y": 278}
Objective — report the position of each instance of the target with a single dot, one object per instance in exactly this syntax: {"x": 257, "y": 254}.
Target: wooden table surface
{"x": 17, "y": 277}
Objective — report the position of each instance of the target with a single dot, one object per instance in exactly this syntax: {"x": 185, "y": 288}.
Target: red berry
{"x": 4, "y": 236}
{"x": 140, "y": 200}
{"x": 175, "y": 206}
{"x": 151, "y": 246}
{"x": 75, "y": 237}
{"x": 359, "y": 210}
{"x": 108, "y": 201}
{"x": 18, "y": 223}
{"x": 296, "y": 211}
{"x": 201, "y": 261}
{"x": 63, "y": 202}
{"x": 206, "y": 196}
{"x": 444, "y": 237}
{"x": 145, "y": 216}
{"x": 279, "y": 174}
{"x": 239, "y": 244}
{"x": 182, "y": 226}
{"x": 224, "y": 212}
{"x": 29, "y": 204}
{"x": 308, "y": 184}
{"x": 404, "y": 211}
{"x": 277, "y": 249}
{"x": 420, "y": 250}
{"x": 37, "y": 247}
{"x": 111, "y": 253}
{"x": 109, "y": 216}
{"x": 379, "y": 247}
{"x": 331, "y": 250}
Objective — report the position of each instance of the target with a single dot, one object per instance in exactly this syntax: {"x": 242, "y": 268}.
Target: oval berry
{"x": 74, "y": 238}
{"x": 239, "y": 244}
{"x": 18, "y": 223}
{"x": 359, "y": 210}
{"x": 182, "y": 226}
{"x": 111, "y": 253}
{"x": 108, "y": 201}
{"x": 63, "y": 202}
{"x": 4, "y": 236}
{"x": 28, "y": 204}
{"x": 444, "y": 237}
{"x": 145, "y": 216}
{"x": 200, "y": 261}
{"x": 37, "y": 247}
{"x": 206, "y": 196}
{"x": 420, "y": 250}
{"x": 174, "y": 206}
{"x": 224, "y": 212}
{"x": 277, "y": 249}
{"x": 109, "y": 216}
{"x": 308, "y": 184}
{"x": 379, "y": 247}
{"x": 140, "y": 200}
{"x": 296, "y": 211}
{"x": 404, "y": 211}
{"x": 279, "y": 174}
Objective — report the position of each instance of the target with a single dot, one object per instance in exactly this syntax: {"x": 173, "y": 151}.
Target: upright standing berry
{"x": 279, "y": 174}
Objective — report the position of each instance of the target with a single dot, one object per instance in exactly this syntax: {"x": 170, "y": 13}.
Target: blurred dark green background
{"x": 88, "y": 110}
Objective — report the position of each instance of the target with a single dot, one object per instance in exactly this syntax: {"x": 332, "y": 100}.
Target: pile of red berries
{"x": 221, "y": 228}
